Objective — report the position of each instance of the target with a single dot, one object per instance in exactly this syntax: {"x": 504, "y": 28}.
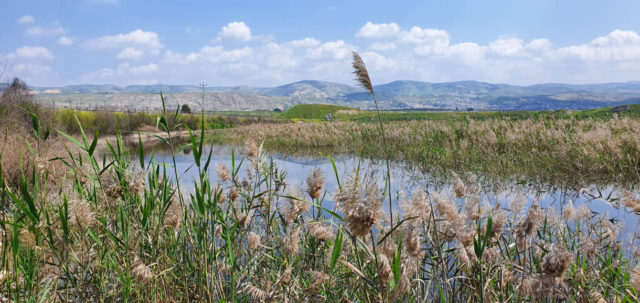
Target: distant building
{"x": 277, "y": 109}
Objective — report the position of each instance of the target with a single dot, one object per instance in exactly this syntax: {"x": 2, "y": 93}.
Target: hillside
{"x": 405, "y": 94}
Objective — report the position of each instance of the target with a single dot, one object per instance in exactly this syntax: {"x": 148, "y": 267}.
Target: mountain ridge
{"x": 399, "y": 94}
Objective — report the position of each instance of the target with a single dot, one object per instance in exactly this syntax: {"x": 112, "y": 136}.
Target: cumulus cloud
{"x": 506, "y": 47}
{"x": 617, "y": 45}
{"x": 332, "y": 50}
{"x": 380, "y": 46}
{"x": 32, "y": 52}
{"x": 45, "y": 31}
{"x": 391, "y": 52}
{"x": 235, "y": 31}
{"x": 378, "y": 30}
{"x": 137, "y": 38}
{"x": 306, "y": 42}
{"x": 130, "y": 53}
{"x": 64, "y": 41}
{"x": 144, "y": 69}
{"x": 26, "y": 19}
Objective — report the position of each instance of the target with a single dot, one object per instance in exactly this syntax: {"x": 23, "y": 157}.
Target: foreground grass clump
{"x": 571, "y": 151}
{"x": 113, "y": 228}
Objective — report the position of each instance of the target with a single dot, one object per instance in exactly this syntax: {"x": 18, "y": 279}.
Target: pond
{"x": 405, "y": 180}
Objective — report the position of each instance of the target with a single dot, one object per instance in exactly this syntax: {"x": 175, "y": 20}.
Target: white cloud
{"x": 31, "y": 68}
{"x": 418, "y": 35}
{"x": 306, "y": 42}
{"x": 64, "y": 41}
{"x": 45, "y": 31}
{"x": 424, "y": 54}
{"x": 378, "y": 30}
{"x": 144, "y": 69}
{"x": 506, "y": 47}
{"x": 236, "y": 31}
{"x": 467, "y": 52}
{"x": 379, "y": 46}
{"x": 130, "y": 53}
{"x": 542, "y": 45}
{"x": 617, "y": 45}
{"x": 379, "y": 62}
{"x": 333, "y": 50}
{"x": 136, "y": 38}
{"x": 213, "y": 54}
{"x": 26, "y": 20}
{"x": 32, "y": 52}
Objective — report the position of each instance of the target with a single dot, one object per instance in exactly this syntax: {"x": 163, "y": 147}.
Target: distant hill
{"x": 310, "y": 89}
{"x": 405, "y": 94}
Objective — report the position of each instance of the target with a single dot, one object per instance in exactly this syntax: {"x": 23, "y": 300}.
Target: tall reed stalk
{"x": 362, "y": 76}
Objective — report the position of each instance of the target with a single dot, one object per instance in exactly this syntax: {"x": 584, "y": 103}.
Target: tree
{"x": 185, "y": 109}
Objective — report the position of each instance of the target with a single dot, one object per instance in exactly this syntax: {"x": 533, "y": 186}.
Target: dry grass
{"x": 568, "y": 150}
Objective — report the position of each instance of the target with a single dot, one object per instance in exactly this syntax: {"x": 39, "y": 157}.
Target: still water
{"x": 404, "y": 180}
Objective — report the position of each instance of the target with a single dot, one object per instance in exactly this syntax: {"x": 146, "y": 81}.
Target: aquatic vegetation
{"x": 568, "y": 151}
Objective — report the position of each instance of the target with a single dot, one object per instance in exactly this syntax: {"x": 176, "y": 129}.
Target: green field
{"x": 342, "y": 113}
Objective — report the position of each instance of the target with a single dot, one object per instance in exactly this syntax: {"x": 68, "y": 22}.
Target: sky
{"x": 269, "y": 43}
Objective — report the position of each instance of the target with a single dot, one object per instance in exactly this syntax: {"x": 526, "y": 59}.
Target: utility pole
{"x": 203, "y": 84}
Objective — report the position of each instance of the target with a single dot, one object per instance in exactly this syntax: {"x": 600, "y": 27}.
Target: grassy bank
{"x": 572, "y": 151}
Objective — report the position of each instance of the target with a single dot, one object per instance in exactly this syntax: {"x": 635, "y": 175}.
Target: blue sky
{"x": 265, "y": 43}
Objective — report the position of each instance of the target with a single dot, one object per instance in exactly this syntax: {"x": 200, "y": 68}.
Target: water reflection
{"x": 406, "y": 179}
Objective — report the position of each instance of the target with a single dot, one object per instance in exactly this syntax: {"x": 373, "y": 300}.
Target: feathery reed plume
{"x": 531, "y": 222}
{"x": 556, "y": 263}
{"x": 315, "y": 180}
{"x": 253, "y": 241}
{"x": 173, "y": 216}
{"x": 223, "y": 172}
{"x": 403, "y": 283}
{"x": 447, "y": 209}
{"x": 362, "y": 76}
{"x": 362, "y": 210}
{"x": 245, "y": 218}
{"x": 294, "y": 207}
{"x": 138, "y": 185}
{"x": 569, "y": 212}
{"x": 412, "y": 240}
{"x": 80, "y": 213}
{"x": 255, "y": 293}
{"x": 418, "y": 206}
{"x": 584, "y": 213}
{"x": 321, "y": 231}
{"x": 597, "y": 297}
{"x": 290, "y": 241}
{"x": 318, "y": 278}
{"x": 458, "y": 186}
{"x": 635, "y": 278}
{"x": 499, "y": 217}
{"x": 233, "y": 193}
{"x": 141, "y": 271}
{"x": 384, "y": 271}
{"x": 251, "y": 148}
{"x": 629, "y": 201}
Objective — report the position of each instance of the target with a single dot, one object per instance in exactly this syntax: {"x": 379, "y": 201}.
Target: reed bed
{"x": 572, "y": 151}
{"x": 118, "y": 228}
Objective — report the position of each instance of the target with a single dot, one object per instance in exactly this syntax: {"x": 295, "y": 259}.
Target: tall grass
{"x": 567, "y": 151}
{"x": 116, "y": 229}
